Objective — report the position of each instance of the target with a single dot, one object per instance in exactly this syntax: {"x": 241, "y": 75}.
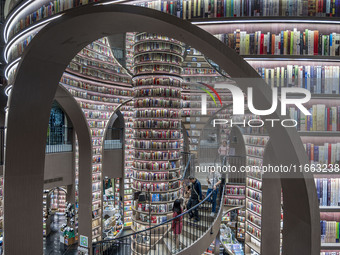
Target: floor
{"x": 52, "y": 244}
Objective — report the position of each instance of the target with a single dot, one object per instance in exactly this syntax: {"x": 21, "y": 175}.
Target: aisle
{"x": 52, "y": 244}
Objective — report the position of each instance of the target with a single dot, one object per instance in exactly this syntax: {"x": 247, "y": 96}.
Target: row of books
{"x": 254, "y": 207}
{"x": 254, "y": 219}
{"x": 328, "y": 153}
{"x": 154, "y": 134}
{"x": 232, "y": 201}
{"x": 287, "y": 42}
{"x": 256, "y": 140}
{"x": 47, "y": 10}
{"x": 87, "y": 52}
{"x": 144, "y": 144}
{"x": 158, "y": 92}
{"x": 254, "y": 131}
{"x": 235, "y": 190}
{"x": 154, "y": 166}
{"x": 254, "y": 231}
{"x": 158, "y": 57}
{"x": 157, "y": 155}
{"x": 161, "y": 113}
{"x": 202, "y": 71}
{"x": 254, "y": 151}
{"x": 328, "y": 191}
{"x": 96, "y": 159}
{"x": 97, "y": 73}
{"x": 330, "y": 231}
{"x": 154, "y": 219}
{"x": 96, "y": 115}
{"x": 158, "y": 46}
{"x": 157, "y": 124}
{"x": 255, "y": 174}
{"x": 88, "y": 96}
{"x": 107, "y": 66}
{"x": 316, "y": 79}
{"x": 154, "y": 102}
{"x": 152, "y": 36}
{"x": 161, "y": 68}
{"x": 153, "y": 81}
{"x": 100, "y": 48}
{"x": 254, "y": 195}
{"x": 250, "y": 161}
{"x": 99, "y": 124}
{"x": 188, "y": 9}
{"x": 155, "y": 176}
{"x": 254, "y": 184}
{"x": 96, "y": 106}
{"x": 322, "y": 118}
{"x": 155, "y": 186}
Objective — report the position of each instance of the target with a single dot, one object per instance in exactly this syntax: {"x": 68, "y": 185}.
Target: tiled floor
{"x": 52, "y": 244}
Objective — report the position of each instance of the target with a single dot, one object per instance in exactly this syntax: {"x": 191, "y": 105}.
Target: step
{"x": 193, "y": 234}
{"x": 170, "y": 244}
{"x": 159, "y": 249}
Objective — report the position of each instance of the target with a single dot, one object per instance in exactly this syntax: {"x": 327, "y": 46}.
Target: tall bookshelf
{"x": 157, "y": 131}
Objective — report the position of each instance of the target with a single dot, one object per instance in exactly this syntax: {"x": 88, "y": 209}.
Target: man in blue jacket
{"x": 195, "y": 198}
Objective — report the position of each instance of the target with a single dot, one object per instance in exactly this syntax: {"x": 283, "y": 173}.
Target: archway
{"x": 44, "y": 62}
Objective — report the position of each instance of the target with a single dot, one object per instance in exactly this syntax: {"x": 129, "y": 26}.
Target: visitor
{"x": 186, "y": 196}
{"x": 195, "y": 197}
{"x": 214, "y": 180}
{"x": 177, "y": 224}
{"x": 223, "y": 152}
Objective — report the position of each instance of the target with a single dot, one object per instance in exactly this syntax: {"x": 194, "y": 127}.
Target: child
{"x": 177, "y": 224}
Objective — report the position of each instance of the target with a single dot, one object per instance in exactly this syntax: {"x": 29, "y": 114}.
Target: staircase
{"x": 194, "y": 238}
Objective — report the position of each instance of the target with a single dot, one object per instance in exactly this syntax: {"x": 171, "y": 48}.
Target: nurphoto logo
{"x": 239, "y": 104}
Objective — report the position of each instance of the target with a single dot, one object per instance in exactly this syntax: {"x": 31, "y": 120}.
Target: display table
{"x": 229, "y": 242}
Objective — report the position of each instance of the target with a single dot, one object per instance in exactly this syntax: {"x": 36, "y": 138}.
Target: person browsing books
{"x": 214, "y": 180}
{"x": 177, "y": 224}
{"x": 223, "y": 151}
{"x": 195, "y": 197}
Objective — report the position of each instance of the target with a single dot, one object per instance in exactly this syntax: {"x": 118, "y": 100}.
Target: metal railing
{"x": 167, "y": 237}
{"x": 113, "y": 139}
{"x": 59, "y": 139}
{"x": 2, "y": 145}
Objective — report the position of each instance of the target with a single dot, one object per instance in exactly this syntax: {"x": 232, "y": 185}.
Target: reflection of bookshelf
{"x": 46, "y": 214}
{"x": 99, "y": 84}
{"x": 255, "y": 141}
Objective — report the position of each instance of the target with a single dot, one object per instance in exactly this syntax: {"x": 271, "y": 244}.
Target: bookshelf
{"x": 58, "y": 201}
{"x": 157, "y": 129}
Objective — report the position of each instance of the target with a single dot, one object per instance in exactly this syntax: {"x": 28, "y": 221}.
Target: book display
{"x": 157, "y": 130}
{"x": 229, "y": 242}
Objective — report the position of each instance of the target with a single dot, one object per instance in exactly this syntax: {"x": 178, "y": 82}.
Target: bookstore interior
{"x": 216, "y": 131}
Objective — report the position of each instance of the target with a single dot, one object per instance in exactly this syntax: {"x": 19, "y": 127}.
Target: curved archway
{"x": 44, "y": 62}
{"x": 77, "y": 117}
